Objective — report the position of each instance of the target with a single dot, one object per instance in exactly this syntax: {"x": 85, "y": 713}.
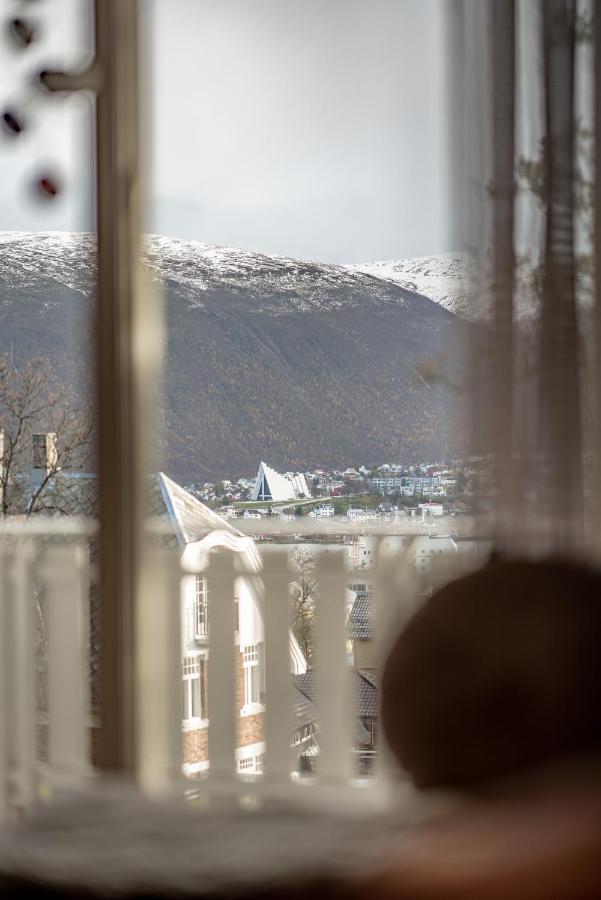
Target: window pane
{"x": 195, "y": 688}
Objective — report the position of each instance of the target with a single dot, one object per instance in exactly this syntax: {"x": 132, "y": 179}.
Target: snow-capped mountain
{"x": 268, "y": 357}
{"x": 68, "y": 258}
{"x": 444, "y": 278}
{"x": 285, "y": 285}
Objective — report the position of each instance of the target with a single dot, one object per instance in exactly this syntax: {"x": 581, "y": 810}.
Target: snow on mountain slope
{"x": 443, "y": 278}
{"x": 298, "y": 285}
{"x": 284, "y": 285}
{"x": 64, "y": 257}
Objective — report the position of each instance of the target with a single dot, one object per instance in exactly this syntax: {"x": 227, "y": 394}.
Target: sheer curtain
{"x": 523, "y": 92}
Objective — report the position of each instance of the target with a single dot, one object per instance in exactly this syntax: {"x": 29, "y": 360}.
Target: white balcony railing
{"x": 46, "y": 580}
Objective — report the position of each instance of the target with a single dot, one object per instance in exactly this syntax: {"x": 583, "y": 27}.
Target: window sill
{"x": 194, "y": 724}
{"x": 252, "y": 709}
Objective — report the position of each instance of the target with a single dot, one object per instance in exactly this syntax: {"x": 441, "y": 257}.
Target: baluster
{"x": 396, "y": 587}
{"x": 159, "y": 630}
{"x": 21, "y": 694}
{"x": 336, "y": 715}
{"x": 66, "y": 581}
{"x": 222, "y": 685}
{"x": 278, "y": 708}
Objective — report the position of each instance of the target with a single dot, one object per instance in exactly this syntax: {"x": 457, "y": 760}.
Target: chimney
{"x": 45, "y": 452}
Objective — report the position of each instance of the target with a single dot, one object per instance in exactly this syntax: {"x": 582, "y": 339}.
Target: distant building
{"x": 270, "y": 485}
{"x": 326, "y": 511}
{"x": 362, "y": 550}
{"x": 356, "y": 515}
{"x": 410, "y": 485}
{"x": 426, "y": 548}
{"x": 431, "y": 509}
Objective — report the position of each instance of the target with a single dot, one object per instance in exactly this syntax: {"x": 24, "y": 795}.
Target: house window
{"x": 252, "y": 764}
{"x": 201, "y": 607}
{"x": 252, "y": 661}
{"x": 303, "y": 734}
{"x": 194, "y": 682}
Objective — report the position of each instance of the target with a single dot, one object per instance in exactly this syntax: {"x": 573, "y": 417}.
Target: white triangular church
{"x": 270, "y": 485}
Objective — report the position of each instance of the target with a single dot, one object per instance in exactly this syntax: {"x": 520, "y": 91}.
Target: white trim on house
{"x": 249, "y": 750}
{"x": 193, "y": 768}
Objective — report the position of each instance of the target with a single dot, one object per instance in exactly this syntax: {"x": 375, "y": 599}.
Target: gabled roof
{"x": 360, "y": 623}
{"x": 191, "y": 519}
{"x": 76, "y": 494}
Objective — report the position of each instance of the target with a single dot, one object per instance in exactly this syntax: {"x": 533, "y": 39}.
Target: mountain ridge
{"x": 298, "y": 362}
{"x": 444, "y": 278}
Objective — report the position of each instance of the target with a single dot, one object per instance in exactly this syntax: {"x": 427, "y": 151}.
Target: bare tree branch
{"x": 33, "y": 399}
{"x": 304, "y": 593}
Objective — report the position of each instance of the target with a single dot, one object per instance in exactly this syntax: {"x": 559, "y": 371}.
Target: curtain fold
{"x": 536, "y": 399}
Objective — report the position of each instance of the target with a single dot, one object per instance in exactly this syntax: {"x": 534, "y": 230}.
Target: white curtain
{"x": 523, "y": 95}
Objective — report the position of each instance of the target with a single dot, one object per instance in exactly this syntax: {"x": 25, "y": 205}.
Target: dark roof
{"x": 360, "y": 624}
{"x": 371, "y": 677}
{"x": 365, "y": 691}
{"x": 304, "y": 710}
{"x": 67, "y": 494}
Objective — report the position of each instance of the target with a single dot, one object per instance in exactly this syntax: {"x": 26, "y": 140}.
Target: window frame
{"x": 200, "y": 609}
{"x": 189, "y": 676}
{"x": 253, "y": 676}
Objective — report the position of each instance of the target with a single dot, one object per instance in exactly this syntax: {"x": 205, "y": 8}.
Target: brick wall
{"x": 195, "y": 742}
{"x": 196, "y": 745}
{"x": 250, "y": 729}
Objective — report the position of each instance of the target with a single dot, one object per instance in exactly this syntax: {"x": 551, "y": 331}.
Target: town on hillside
{"x": 384, "y": 492}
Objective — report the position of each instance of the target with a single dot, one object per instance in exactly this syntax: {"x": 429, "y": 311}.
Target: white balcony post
{"x": 278, "y": 700}
{"x": 21, "y": 688}
{"x": 66, "y": 580}
{"x": 159, "y": 684}
{"x": 335, "y": 706}
{"x": 222, "y": 683}
{"x": 396, "y": 592}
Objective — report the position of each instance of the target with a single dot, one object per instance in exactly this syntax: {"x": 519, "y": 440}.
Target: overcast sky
{"x": 314, "y": 129}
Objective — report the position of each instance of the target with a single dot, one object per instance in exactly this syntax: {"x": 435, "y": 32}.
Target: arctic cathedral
{"x": 270, "y": 485}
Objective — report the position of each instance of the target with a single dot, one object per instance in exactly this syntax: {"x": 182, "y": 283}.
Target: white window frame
{"x": 200, "y": 617}
{"x": 253, "y": 677}
{"x": 194, "y": 671}
{"x": 251, "y": 764}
